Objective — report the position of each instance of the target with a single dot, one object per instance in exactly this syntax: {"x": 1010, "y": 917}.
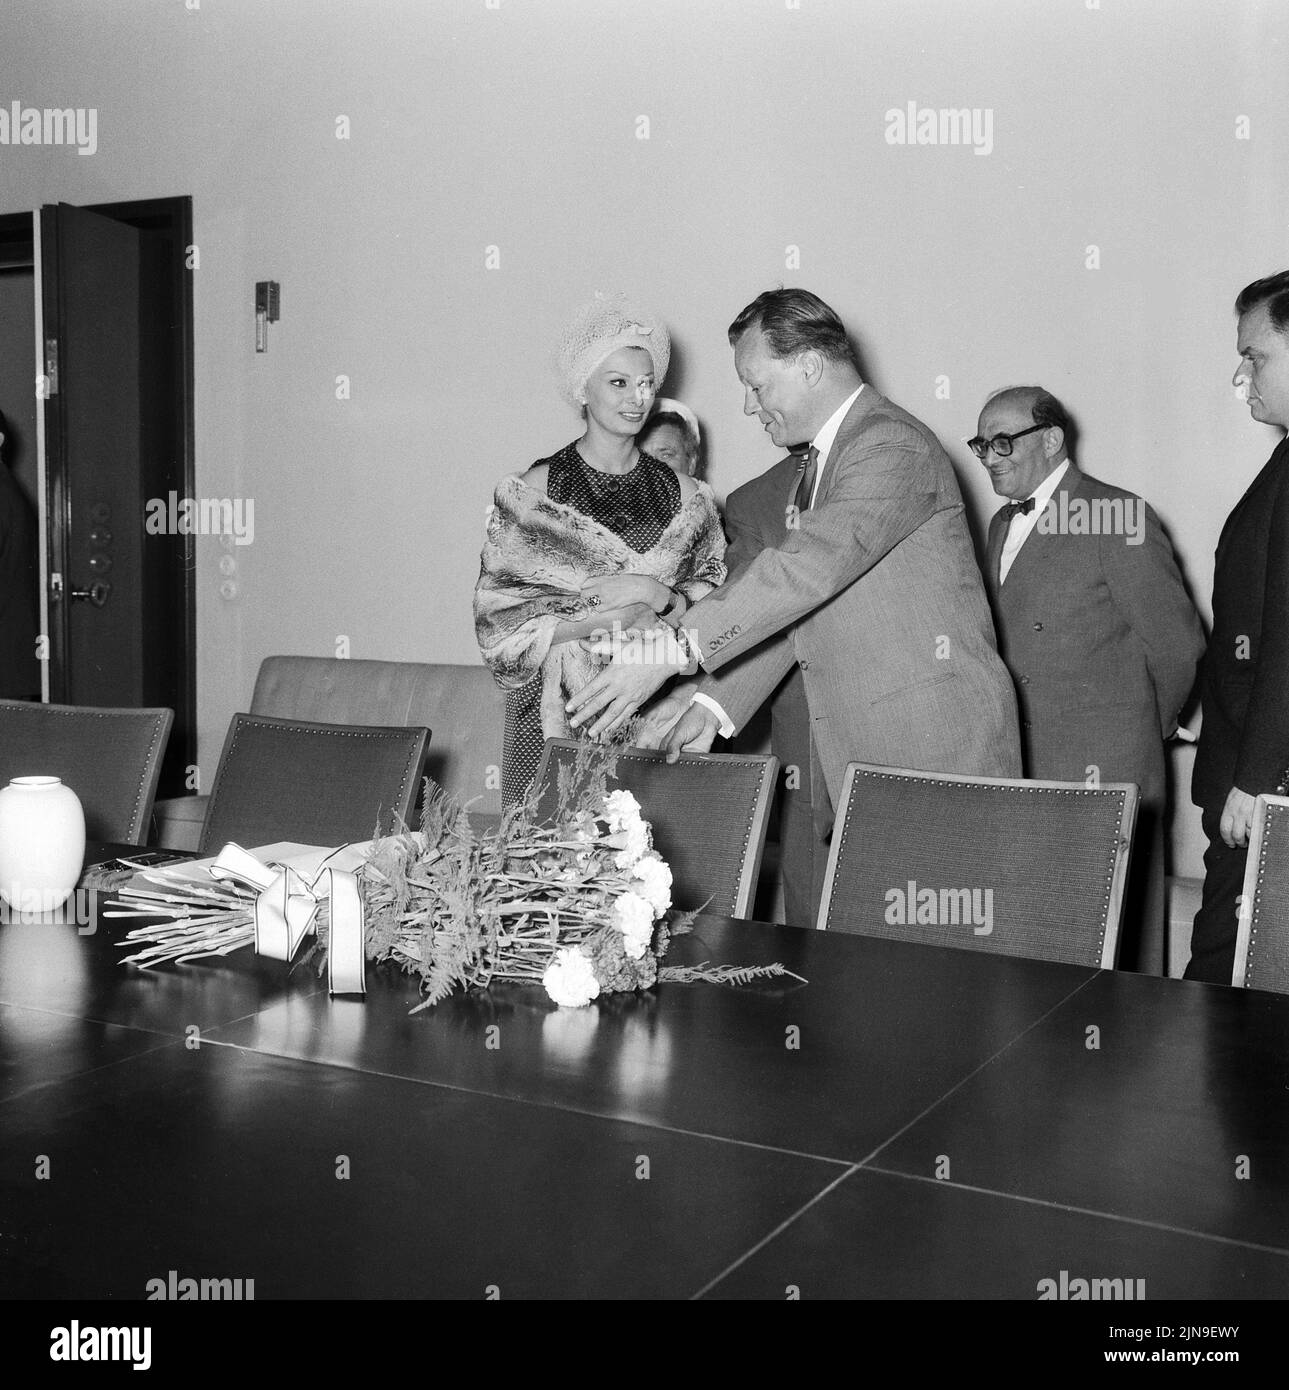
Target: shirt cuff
{"x": 726, "y": 729}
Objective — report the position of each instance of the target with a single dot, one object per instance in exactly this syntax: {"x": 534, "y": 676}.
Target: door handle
{"x": 97, "y": 593}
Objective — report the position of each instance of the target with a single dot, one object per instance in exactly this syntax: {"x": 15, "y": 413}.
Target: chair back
{"x": 1015, "y": 867}
{"x": 1262, "y": 939}
{"x": 111, "y": 759}
{"x": 315, "y": 784}
{"x": 462, "y": 706}
{"x": 708, "y": 812}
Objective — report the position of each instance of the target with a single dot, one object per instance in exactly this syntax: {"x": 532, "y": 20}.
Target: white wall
{"x": 1114, "y": 125}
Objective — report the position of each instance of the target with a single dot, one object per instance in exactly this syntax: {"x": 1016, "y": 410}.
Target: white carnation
{"x": 652, "y": 880}
{"x": 633, "y": 917}
{"x": 634, "y": 842}
{"x": 570, "y": 980}
{"x": 622, "y": 810}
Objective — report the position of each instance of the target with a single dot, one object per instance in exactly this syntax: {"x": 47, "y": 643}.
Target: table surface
{"x": 914, "y": 1122}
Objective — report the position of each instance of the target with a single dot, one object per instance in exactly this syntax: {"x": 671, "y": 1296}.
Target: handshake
{"x": 644, "y": 651}
{"x": 640, "y": 662}
{"x": 655, "y": 645}
{"x": 674, "y": 722}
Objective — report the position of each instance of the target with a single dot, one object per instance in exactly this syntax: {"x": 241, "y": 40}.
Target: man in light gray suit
{"x": 872, "y": 589}
{"x": 1096, "y": 627}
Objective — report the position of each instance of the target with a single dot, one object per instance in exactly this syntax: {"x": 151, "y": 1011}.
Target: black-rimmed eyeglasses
{"x": 1001, "y": 444}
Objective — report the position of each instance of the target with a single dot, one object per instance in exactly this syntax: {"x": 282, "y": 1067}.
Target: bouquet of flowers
{"x": 580, "y": 902}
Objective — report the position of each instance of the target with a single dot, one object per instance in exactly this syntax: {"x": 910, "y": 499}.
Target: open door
{"x": 119, "y": 599}
{"x": 90, "y": 279}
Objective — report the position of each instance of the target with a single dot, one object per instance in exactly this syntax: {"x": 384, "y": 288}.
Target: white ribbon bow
{"x": 286, "y": 907}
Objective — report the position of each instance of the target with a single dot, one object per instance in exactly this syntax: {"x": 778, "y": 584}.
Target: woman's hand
{"x": 624, "y": 591}
{"x": 636, "y": 617}
{"x": 600, "y": 622}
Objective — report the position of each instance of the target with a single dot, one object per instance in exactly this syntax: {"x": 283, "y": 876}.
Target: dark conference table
{"x": 913, "y": 1123}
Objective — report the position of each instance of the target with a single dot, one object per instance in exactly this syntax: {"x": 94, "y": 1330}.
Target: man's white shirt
{"x": 822, "y": 444}
{"x": 1021, "y": 525}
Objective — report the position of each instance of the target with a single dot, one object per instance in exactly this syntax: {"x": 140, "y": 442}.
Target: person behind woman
{"x": 597, "y": 536}
{"x": 671, "y": 434}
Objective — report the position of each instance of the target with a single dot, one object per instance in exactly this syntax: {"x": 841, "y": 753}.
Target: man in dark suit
{"x": 755, "y": 518}
{"x": 19, "y": 589}
{"x": 870, "y": 588}
{"x": 1095, "y": 626}
{"x": 1244, "y": 687}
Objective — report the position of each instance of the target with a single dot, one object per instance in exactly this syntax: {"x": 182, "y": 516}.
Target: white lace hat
{"x": 601, "y": 327}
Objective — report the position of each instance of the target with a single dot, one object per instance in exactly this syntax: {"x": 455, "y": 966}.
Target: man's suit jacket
{"x": 19, "y": 593}
{"x": 1099, "y": 634}
{"x": 1244, "y": 686}
{"x": 876, "y": 594}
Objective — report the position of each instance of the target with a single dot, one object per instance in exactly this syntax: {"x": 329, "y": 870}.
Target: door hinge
{"x": 51, "y": 366}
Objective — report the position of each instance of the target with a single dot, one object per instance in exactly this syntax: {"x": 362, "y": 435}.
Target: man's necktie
{"x": 806, "y": 482}
{"x": 1014, "y": 509}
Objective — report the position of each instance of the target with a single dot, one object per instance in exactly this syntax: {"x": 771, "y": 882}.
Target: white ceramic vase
{"x": 42, "y": 843}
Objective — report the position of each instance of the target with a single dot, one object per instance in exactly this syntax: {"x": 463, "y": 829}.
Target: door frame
{"x": 170, "y": 219}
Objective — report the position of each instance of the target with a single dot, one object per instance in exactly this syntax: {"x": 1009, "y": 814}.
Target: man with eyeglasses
{"x": 1244, "y": 690}
{"x": 1096, "y": 627}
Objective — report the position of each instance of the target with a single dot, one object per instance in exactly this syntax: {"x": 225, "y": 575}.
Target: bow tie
{"x": 1019, "y": 508}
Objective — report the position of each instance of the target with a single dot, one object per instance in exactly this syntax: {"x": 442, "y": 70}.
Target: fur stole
{"x": 538, "y": 555}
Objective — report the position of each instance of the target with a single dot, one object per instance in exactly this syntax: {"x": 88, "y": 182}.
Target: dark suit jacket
{"x": 755, "y": 517}
{"x": 19, "y": 593}
{"x": 1099, "y": 634}
{"x": 876, "y": 595}
{"x": 1244, "y": 686}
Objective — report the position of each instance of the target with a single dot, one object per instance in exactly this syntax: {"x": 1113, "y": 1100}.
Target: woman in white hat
{"x": 597, "y": 536}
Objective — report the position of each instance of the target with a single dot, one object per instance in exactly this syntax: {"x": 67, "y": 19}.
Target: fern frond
{"x": 682, "y": 922}
{"x": 723, "y": 974}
